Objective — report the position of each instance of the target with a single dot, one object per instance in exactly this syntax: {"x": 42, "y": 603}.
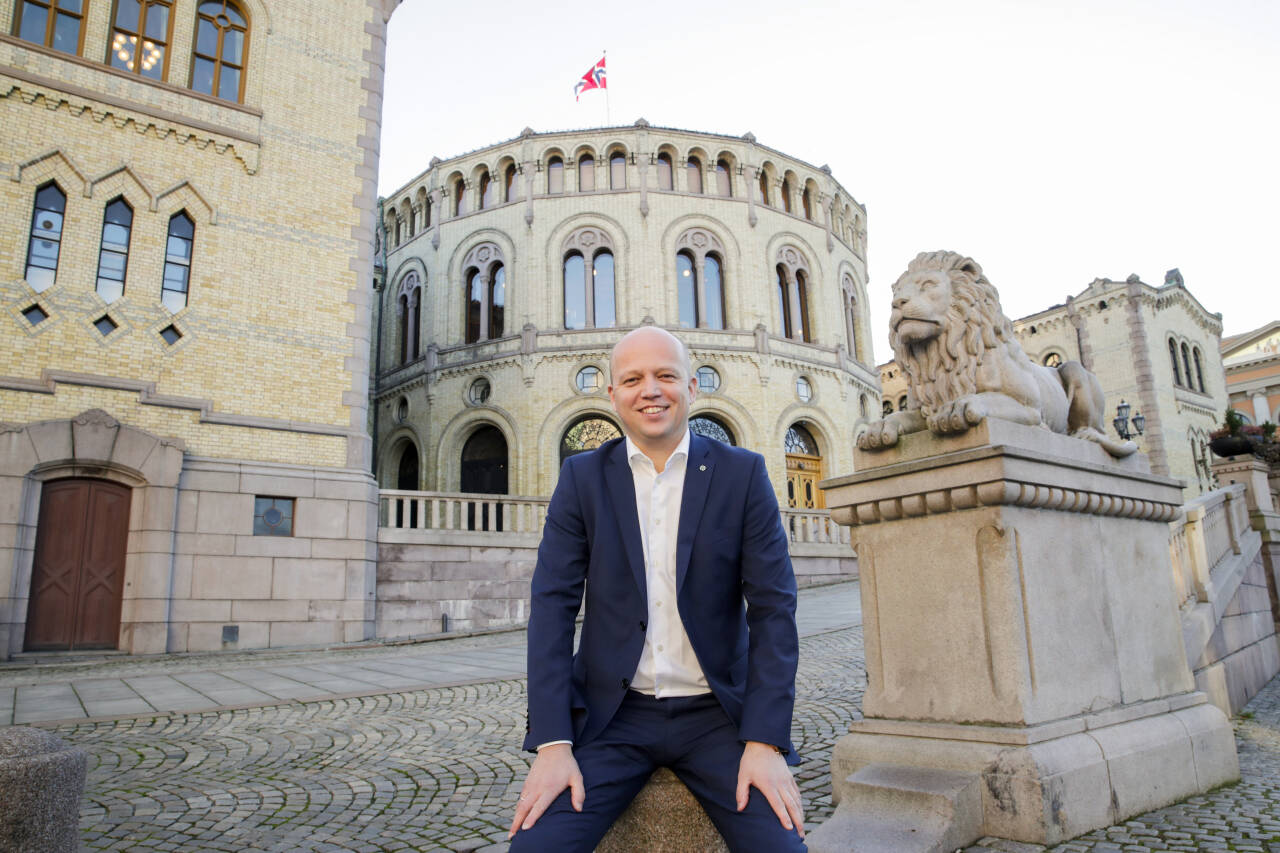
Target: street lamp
{"x": 1121, "y": 421}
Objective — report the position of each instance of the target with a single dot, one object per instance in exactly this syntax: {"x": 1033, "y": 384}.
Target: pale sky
{"x": 1053, "y": 142}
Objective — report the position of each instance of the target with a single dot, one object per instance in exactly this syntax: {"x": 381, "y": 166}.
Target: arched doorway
{"x": 484, "y": 471}
{"x": 709, "y": 426}
{"x": 77, "y": 577}
{"x": 804, "y": 469}
{"x": 587, "y": 433}
{"x": 407, "y": 480}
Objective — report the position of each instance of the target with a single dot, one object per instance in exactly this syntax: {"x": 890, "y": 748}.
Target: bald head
{"x": 650, "y": 335}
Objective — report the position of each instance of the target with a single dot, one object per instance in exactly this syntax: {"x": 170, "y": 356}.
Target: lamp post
{"x": 1122, "y": 420}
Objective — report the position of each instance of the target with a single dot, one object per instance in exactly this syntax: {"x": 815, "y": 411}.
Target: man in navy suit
{"x": 668, "y": 533}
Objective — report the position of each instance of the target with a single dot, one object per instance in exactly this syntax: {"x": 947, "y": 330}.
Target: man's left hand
{"x": 763, "y": 766}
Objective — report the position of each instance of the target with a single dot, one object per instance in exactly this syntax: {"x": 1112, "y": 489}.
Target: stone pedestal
{"x": 41, "y": 782}
{"x": 1021, "y": 626}
{"x": 663, "y": 818}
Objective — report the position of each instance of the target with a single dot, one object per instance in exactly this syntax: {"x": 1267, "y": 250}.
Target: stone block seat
{"x": 664, "y": 818}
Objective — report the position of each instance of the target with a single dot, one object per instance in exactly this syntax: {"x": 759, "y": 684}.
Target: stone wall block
{"x": 269, "y": 611}
{"x": 231, "y": 577}
{"x": 308, "y": 579}
{"x": 17, "y": 453}
{"x": 187, "y": 512}
{"x": 158, "y": 506}
{"x": 195, "y": 610}
{"x": 277, "y": 485}
{"x": 305, "y": 633}
{"x": 320, "y": 518}
{"x": 198, "y": 480}
{"x": 225, "y": 513}
{"x": 133, "y": 447}
{"x": 271, "y": 546}
{"x": 51, "y": 440}
{"x": 164, "y": 465}
{"x": 343, "y": 549}
{"x": 361, "y": 580}
{"x": 365, "y": 491}
{"x": 148, "y": 574}
{"x": 144, "y": 610}
{"x": 93, "y": 441}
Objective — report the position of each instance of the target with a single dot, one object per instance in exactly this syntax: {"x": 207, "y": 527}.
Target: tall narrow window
{"x": 586, "y": 173}
{"x": 555, "y": 175}
{"x": 686, "y": 291}
{"x": 802, "y": 287}
{"x": 426, "y": 213}
{"x": 415, "y": 322}
{"x": 764, "y": 187}
{"x": 399, "y": 231}
{"x": 140, "y": 37}
{"x": 459, "y": 197}
{"x": 486, "y": 190}
{"x": 784, "y": 301}
{"x": 113, "y": 254}
{"x": 46, "y": 237}
{"x": 497, "y": 299}
{"x": 724, "y": 186}
{"x": 617, "y": 171}
{"x": 508, "y": 184}
{"x": 1195, "y": 355}
{"x": 402, "y": 307}
{"x": 807, "y": 202}
{"x": 177, "y": 262}
{"x": 664, "y": 172}
{"x": 713, "y": 292}
{"x": 575, "y": 292}
{"x": 602, "y": 281}
{"x": 222, "y": 36}
{"x": 694, "y": 171}
{"x": 1186, "y": 365}
{"x": 52, "y": 23}
{"x": 1173, "y": 359}
{"x": 413, "y": 221}
{"x": 786, "y": 194}
{"x": 474, "y": 297}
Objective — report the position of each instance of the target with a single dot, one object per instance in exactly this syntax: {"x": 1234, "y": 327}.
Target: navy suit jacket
{"x": 730, "y": 547}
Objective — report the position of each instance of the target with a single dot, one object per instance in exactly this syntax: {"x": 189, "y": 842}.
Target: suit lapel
{"x": 697, "y": 484}
{"x": 622, "y": 492}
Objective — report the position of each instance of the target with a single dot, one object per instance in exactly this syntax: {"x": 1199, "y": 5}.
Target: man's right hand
{"x": 553, "y": 770}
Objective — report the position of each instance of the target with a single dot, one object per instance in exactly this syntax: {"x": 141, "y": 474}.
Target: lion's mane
{"x": 946, "y": 367}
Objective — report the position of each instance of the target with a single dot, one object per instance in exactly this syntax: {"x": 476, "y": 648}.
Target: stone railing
{"x": 458, "y": 511}
{"x": 814, "y": 525}
{"x": 1206, "y": 533}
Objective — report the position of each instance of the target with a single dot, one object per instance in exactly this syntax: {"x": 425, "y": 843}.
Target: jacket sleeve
{"x": 769, "y": 587}
{"x": 555, "y": 598}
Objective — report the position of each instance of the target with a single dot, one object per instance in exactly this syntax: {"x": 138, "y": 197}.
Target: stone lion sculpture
{"x": 962, "y": 363}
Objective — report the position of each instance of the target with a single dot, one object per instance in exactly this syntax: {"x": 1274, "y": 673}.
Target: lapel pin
{"x": 702, "y": 467}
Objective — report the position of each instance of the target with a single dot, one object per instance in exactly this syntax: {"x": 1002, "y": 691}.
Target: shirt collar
{"x": 635, "y": 454}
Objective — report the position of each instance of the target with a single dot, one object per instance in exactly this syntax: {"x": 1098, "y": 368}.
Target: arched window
{"x": 140, "y": 37}
{"x": 575, "y": 292}
{"x": 487, "y": 189}
{"x": 497, "y": 299}
{"x": 709, "y": 426}
{"x": 1195, "y": 354}
{"x": 724, "y": 184}
{"x": 786, "y": 194}
{"x": 407, "y": 480}
{"x": 804, "y": 468}
{"x": 413, "y": 221}
{"x": 484, "y": 471}
{"x": 886, "y": 408}
{"x": 475, "y": 300}
{"x": 508, "y": 184}
{"x": 113, "y": 253}
{"x": 426, "y": 212}
{"x": 587, "y": 433}
{"x": 588, "y": 276}
{"x": 700, "y": 280}
{"x": 602, "y": 277}
{"x": 459, "y": 197}
{"x": 409, "y": 305}
{"x": 1053, "y": 360}
{"x": 555, "y": 175}
{"x": 617, "y": 171}
{"x": 485, "y": 292}
{"x": 764, "y": 187}
{"x": 1173, "y": 359}
{"x": 177, "y": 262}
{"x": 586, "y": 173}
{"x": 850, "y": 314}
{"x": 46, "y": 237}
{"x": 802, "y": 287}
{"x": 808, "y": 204}
{"x": 402, "y": 309}
{"x": 693, "y": 175}
{"x": 783, "y": 289}
{"x": 664, "y": 171}
{"x": 1186, "y": 365}
{"x": 793, "y": 296}
{"x": 399, "y": 233}
{"x": 222, "y": 40}
{"x": 52, "y": 23}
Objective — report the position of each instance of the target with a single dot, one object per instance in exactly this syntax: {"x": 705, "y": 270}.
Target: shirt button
{"x": 643, "y": 626}
{"x": 657, "y": 604}
{"x": 626, "y": 682}
{"x": 659, "y": 647}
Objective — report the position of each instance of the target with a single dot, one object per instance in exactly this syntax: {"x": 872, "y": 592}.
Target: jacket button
{"x": 626, "y": 682}
{"x": 644, "y": 626}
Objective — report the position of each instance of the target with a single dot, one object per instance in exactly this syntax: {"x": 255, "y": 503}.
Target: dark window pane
{"x": 171, "y": 335}
{"x": 234, "y": 16}
{"x": 685, "y": 295}
{"x": 35, "y": 22}
{"x": 152, "y": 59}
{"x": 35, "y": 315}
{"x": 575, "y": 293}
{"x": 202, "y": 76}
{"x": 73, "y": 6}
{"x": 233, "y": 47}
{"x": 181, "y": 226}
{"x": 617, "y": 172}
{"x": 207, "y": 38}
{"x": 127, "y": 14}
{"x": 66, "y": 34}
{"x": 157, "y": 22}
{"x": 784, "y": 303}
{"x": 473, "y": 307}
{"x": 118, "y": 212}
{"x": 497, "y": 301}
{"x": 105, "y": 325}
{"x": 605, "y": 316}
{"x": 51, "y": 198}
{"x": 212, "y": 8}
{"x": 122, "y": 51}
{"x": 713, "y": 293}
{"x": 229, "y": 84}
{"x": 709, "y": 427}
{"x": 587, "y": 434}
{"x": 586, "y": 174}
{"x": 510, "y": 187}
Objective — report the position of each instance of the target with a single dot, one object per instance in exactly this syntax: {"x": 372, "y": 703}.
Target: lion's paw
{"x": 879, "y": 434}
{"x": 957, "y": 416}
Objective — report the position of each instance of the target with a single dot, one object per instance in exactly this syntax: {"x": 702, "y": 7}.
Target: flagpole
{"x": 607, "y": 121}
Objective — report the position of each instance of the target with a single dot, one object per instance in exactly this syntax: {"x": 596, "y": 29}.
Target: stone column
{"x": 1026, "y": 676}
{"x": 41, "y": 783}
{"x": 700, "y": 291}
{"x": 482, "y": 278}
{"x": 1261, "y": 411}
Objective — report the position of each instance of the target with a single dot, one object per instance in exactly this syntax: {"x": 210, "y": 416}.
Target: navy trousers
{"x": 691, "y": 735}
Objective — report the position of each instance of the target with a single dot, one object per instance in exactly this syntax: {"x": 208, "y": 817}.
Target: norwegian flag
{"x": 593, "y": 79}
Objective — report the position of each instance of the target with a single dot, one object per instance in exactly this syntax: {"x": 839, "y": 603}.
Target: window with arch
{"x": 665, "y": 171}
{"x": 764, "y": 187}
{"x": 617, "y": 171}
{"x": 508, "y": 184}
{"x": 786, "y": 194}
{"x": 804, "y": 468}
{"x": 587, "y": 433}
{"x": 399, "y": 232}
{"x": 1173, "y": 360}
{"x": 177, "y": 262}
{"x": 413, "y": 220}
{"x": 483, "y": 466}
{"x": 693, "y": 174}
{"x": 850, "y": 292}
{"x": 588, "y": 276}
{"x": 222, "y": 40}
{"x": 586, "y": 173}
{"x": 459, "y": 197}
{"x": 485, "y": 282}
{"x": 709, "y": 426}
{"x": 113, "y": 252}
{"x": 140, "y": 37}
{"x": 52, "y": 23}
{"x": 1053, "y": 359}
{"x": 793, "y": 293}
{"x": 427, "y": 204}
{"x": 1195, "y": 356}
{"x": 724, "y": 180}
{"x": 487, "y": 190}
{"x": 700, "y": 280}
{"x": 886, "y": 408}
{"x": 409, "y": 307}
{"x": 1186, "y": 366}
{"x": 555, "y": 175}
{"x": 807, "y": 202}
{"x": 46, "y": 237}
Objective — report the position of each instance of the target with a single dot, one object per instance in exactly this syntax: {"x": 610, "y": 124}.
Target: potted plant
{"x": 1231, "y": 439}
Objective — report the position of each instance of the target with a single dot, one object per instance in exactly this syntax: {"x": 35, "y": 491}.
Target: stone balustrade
{"x": 404, "y": 510}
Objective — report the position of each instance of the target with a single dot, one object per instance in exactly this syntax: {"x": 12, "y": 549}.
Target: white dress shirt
{"x": 668, "y": 666}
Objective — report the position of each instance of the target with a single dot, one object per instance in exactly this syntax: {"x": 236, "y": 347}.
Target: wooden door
{"x": 803, "y": 474}
{"x": 77, "y": 579}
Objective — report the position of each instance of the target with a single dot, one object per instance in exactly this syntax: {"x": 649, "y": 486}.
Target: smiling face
{"x": 651, "y": 390}
{"x": 920, "y": 303}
